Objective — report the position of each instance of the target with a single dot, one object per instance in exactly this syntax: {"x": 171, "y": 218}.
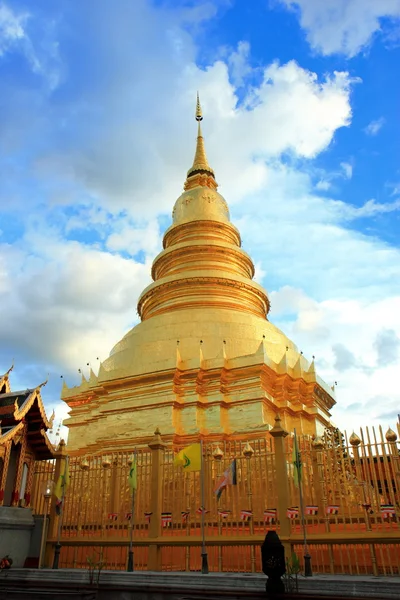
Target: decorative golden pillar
{"x": 391, "y": 438}
{"x": 106, "y": 464}
{"x": 84, "y": 466}
{"x": 60, "y": 456}
{"x": 115, "y": 488}
{"x": 248, "y": 453}
{"x": 6, "y": 462}
{"x": 355, "y": 442}
{"x": 282, "y": 483}
{"x": 320, "y": 488}
{"x": 218, "y": 456}
{"x": 157, "y": 448}
{"x": 19, "y": 469}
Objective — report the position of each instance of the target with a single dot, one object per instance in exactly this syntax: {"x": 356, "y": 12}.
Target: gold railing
{"x": 358, "y": 475}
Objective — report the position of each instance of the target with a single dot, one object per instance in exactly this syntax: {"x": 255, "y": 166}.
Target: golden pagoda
{"x": 205, "y": 360}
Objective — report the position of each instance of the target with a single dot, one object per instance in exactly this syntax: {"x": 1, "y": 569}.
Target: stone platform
{"x": 18, "y": 584}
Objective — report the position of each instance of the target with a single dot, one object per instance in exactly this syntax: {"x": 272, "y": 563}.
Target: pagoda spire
{"x": 200, "y": 173}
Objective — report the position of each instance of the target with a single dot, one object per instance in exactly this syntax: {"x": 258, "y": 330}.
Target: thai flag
{"x": 270, "y": 515}
{"x": 185, "y": 515}
{"x": 388, "y": 510}
{"x": 128, "y": 516}
{"x": 228, "y": 478}
{"x": 166, "y": 519}
{"x": 332, "y": 509}
{"x": 311, "y": 509}
{"x": 246, "y": 515}
{"x": 113, "y": 516}
{"x": 202, "y": 511}
{"x": 368, "y": 508}
{"x": 224, "y": 514}
{"x": 147, "y": 516}
{"x": 292, "y": 512}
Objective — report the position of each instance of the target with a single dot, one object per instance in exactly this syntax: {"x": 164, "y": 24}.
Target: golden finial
{"x": 200, "y": 172}
{"x": 390, "y": 435}
{"x": 318, "y": 442}
{"x": 354, "y": 439}
{"x": 199, "y": 114}
{"x": 218, "y": 454}
{"x": 248, "y": 451}
{"x": 85, "y": 464}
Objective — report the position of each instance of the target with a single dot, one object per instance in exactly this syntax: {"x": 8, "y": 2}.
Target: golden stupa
{"x": 205, "y": 360}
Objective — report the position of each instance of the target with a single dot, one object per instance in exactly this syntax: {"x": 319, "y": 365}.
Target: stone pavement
{"x": 144, "y": 585}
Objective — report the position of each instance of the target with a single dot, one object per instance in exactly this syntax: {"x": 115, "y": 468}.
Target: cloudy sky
{"x": 301, "y": 125}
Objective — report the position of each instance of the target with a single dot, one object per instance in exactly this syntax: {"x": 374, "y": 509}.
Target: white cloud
{"x": 323, "y": 185}
{"x": 11, "y": 28}
{"x": 343, "y": 26}
{"x": 374, "y": 126}
{"x": 356, "y": 343}
{"x": 239, "y": 65}
{"x": 40, "y": 50}
{"x": 347, "y": 169}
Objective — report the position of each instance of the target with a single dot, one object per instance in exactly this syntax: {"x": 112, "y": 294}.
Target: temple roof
{"x": 23, "y": 410}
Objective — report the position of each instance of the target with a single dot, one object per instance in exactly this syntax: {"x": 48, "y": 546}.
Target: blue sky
{"x": 301, "y": 125}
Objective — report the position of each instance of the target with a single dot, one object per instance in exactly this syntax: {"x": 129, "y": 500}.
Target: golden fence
{"x": 348, "y": 481}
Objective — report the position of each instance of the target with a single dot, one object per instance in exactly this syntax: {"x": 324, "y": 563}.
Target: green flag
{"x": 132, "y": 477}
{"x": 297, "y": 466}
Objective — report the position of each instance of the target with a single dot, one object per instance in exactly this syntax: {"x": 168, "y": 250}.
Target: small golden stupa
{"x": 205, "y": 360}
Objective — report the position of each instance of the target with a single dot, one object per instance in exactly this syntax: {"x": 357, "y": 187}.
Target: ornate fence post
{"x": 282, "y": 483}
{"x": 157, "y": 448}
{"x": 60, "y": 456}
{"x": 355, "y": 441}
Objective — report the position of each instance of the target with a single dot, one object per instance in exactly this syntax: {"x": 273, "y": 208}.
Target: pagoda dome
{"x": 203, "y": 289}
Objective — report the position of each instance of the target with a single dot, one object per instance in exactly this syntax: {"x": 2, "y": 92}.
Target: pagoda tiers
{"x": 205, "y": 361}
{"x": 23, "y": 440}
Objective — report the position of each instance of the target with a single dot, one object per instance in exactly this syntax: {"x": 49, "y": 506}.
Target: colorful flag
{"x": 367, "y": 506}
{"x": 246, "y": 515}
{"x": 132, "y": 477}
{"x": 189, "y": 458}
{"x": 61, "y": 487}
{"x": 224, "y": 514}
{"x": 112, "y": 516}
{"x": 292, "y": 512}
{"x": 166, "y": 519}
{"x": 388, "y": 510}
{"x": 185, "y": 515}
{"x": 147, "y": 516}
{"x": 311, "y": 509}
{"x": 228, "y": 478}
{"x": 270, "y": 515}
{"x": 128, "y": 516}
{"x": 297, "y": 466}
{"x": 202, "y": 511}
{"x": 332, "y": 509}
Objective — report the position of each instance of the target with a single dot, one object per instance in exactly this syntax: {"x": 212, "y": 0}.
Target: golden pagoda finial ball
{"x": 106, "y": 462}
{"x": 218, "y": 454}
{"x": 85, "y": 465}
{"x": 354, "y": 439}
{"x": 248, "y": 451}
{"x": 390, "y": 435}
{"x": 318, "y": 443}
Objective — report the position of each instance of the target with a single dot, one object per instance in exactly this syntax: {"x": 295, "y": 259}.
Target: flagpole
{"x": 130, "y": 554}
{"x": 307, "y": 557}
{"x": 60, "y": 520}
{"x": 204, "y": 557}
